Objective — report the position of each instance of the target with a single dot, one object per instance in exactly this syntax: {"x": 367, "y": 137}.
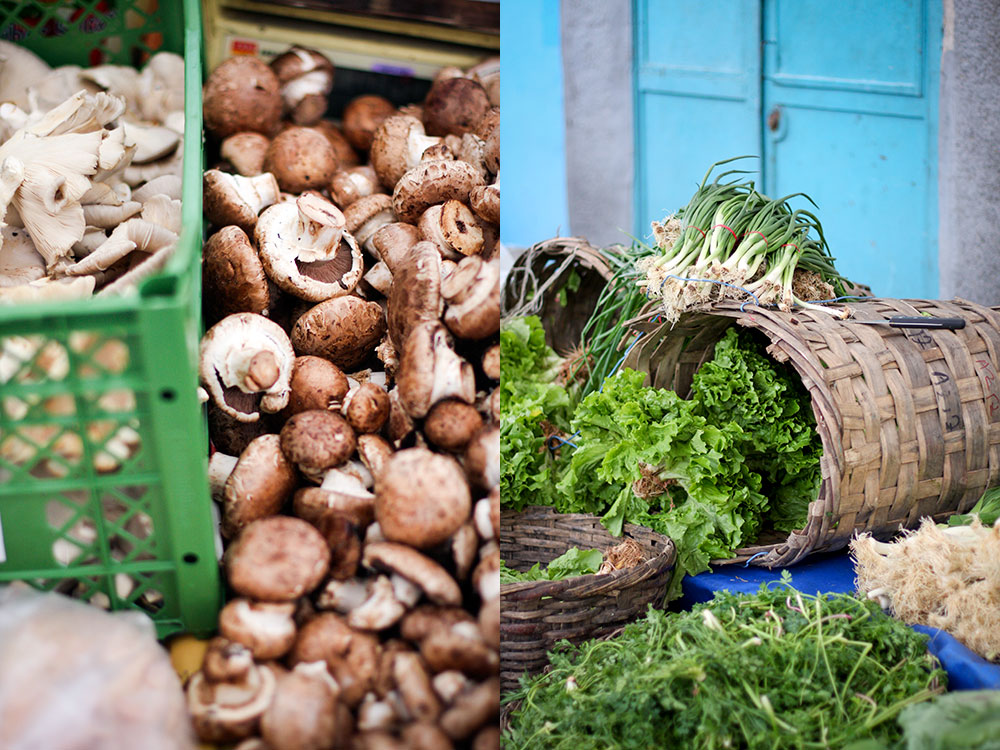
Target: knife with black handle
{"x": 901, "y": 321}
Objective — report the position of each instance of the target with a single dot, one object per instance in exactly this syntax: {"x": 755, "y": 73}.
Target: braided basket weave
{"x": 535, "y": 615}
{"x": 909, "y": 418}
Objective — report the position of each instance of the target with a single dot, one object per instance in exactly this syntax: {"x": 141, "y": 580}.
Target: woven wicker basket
{"x": 909, "y": 418}
{"x": 539, "y": 275}
{"x": 535, "y": 615}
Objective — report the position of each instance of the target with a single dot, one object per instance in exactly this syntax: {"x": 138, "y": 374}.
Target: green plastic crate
{"x": 86, "y": 383}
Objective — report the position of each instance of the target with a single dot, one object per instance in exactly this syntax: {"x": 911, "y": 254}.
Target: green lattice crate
{"x": 103, "y": 489}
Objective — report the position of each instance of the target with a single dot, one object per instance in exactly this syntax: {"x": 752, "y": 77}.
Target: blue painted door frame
{"x": 839, "y": 100}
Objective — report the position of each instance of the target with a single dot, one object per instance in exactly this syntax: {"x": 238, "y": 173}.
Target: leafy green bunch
{"x": 777, "y": 669}
{"x": 532, "y": 405}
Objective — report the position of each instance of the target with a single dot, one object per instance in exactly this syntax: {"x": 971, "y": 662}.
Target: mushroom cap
{"x": 421, "y": 498}
{"x": 415, "y": 294}
{"x": 344, "y": 330}
{"x": 392, "y": 243}
{"x": 233, "y": 278}
{"x": 397, "y": 145}
{"x": 350, "y": 655}
{"x": 259, "y": 485}
{"x": 316, "y": 383}
{"x": 450, "y": 424}
{"x": 489, "y": 622}
{"x": 346, "y": 155}
{"x": 313, "y": 504}
{"x": 426, "y": 618}
{"x": 361, "y": 118}
{"x": 461, "y": 647}
{"x": 242, "y": 93}
{"x": 367, "y": 407}
{"x": 305, "y": 251}
{"x": 298, "y": 61}
{"x": 277, "y": 559}
{"x": 367, "y": 215}
{"x": 317, "y": 440}
{"x": 414, "y": 686}
{"x": 491, "y": 362}
{"x": 482, "y": 458}
{"x": 349, "y": 185}
{"x": 454, "y": 106}
{"x": 415, "y": 567}
{"x": 485, "y": 201}
{"x": 301, "y": 159}
{"x": 472, "y": 709}
{"x": 222, "y": 713}
{"x": 225, "y": 368}
{"x": 341, "y": 535}
{"x": 245, "y": 151}
{"x": 430, "y": 182}
{"x": 472, "y": 292}
{"x": 233, "y": 199}
{"x": 266, "y": 628}
{"x": 374, "y": 451}
{"x": 303, "y": 714}
{"x": 430, "y": 371}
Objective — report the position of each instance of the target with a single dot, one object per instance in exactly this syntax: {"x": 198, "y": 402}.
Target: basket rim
{"x": 521, "y": 590}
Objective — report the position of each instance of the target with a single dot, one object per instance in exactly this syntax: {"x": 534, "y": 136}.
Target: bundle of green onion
{"x": 733, "y": 242}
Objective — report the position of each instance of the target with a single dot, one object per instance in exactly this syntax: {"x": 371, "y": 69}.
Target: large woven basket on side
{"x": 539, "y": 284}
{"x": 535, "y": 615}
{"x": 909, "y": 418}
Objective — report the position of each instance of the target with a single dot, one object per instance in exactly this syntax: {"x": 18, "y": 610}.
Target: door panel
{"x": 697, "y": 96}
{"x": 857, "y": 132}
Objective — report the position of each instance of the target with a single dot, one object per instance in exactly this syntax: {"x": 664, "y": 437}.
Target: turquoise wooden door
{"x": 839, "y": 99}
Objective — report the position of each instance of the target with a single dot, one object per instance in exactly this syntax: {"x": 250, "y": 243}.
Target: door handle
{"x": 774, "y": 119}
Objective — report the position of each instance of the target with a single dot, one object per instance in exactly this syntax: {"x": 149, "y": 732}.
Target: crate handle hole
{"x": 168, "y": 394}
{"x": 190, "y": 558}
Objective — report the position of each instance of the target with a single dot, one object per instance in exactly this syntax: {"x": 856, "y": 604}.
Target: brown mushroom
{"x": 306, "y": 79}
{"x": 233, "y": 199}
{"x": 398, "y": 144}
{"x": 374, "y": 452}
{"x": 460, "y": 647}
{"x": 485, "y": 201}
{"x": 305, "y": 250}
{"x": 277, "y": 559}
{"x": 344, "y": 330}
{"x": 313, "y": 504}
{"x": 392, "y": 243}
{"x": 259, "y": 484}
{"x": 414, "y": 686}
{"x": 472, "y": 710}
{"x": 491, "y": 362}
{"x": 487, "y": 738}
{"x": 430, "y": 371}
{"x": 266, "y": 628}
{"x": 350, "y": 655}
{"x": 361, "y": 118}
{"x": 489, "y": 622}
{"x": 245, "y": 151}
{"x": 317, "y": 440}
{"x": 303, "y": 714}
{"x": 301, "y": 159}
{"x": 228, "y": 696}
{"x": 421, "y": 498}
{"x": 417, "y": 568}
{"x": 366, "y": 407}
{"x": 453, "y": 229}
{"x": 482, "y": 458}
{"x": 367, "y": 215}
{"x": 340, "y": 532}
{"x": 241, "y": 94}
{"x": 316, "y": 383}
{"x": 430, "y": 182}
{"x": 454, "y": 106}
{"x": 451, "y": 424}
{"x": 233, "y": 278}
{"x": 350, "y": 185}
{"x": 347, "y": 157}
{"x": 426, "y": 618}
{"x": 415, "y": 296}
{"x": 472, "y": 292}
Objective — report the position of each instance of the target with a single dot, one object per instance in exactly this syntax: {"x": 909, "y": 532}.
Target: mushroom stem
{"x": 220, "y": 466}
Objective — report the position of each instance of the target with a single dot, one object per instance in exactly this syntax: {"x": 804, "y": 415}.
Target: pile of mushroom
{"x": 351, "y": 301}
{"x": 90, "y": 164}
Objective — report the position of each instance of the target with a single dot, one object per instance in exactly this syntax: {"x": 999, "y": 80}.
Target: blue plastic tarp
{"x": 834, "y": 574}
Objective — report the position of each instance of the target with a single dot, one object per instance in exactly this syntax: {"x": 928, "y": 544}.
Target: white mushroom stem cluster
{"x": 349, "y": 366}
{"x": 90, "y": 165}
{"x": 945, "y": 577}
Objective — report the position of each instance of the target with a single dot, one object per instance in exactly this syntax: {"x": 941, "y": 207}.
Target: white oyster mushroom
{"x": 246, "y": 365}
{"x": 20, "y": 263}
{"x": 152, "y": 142}
{"x": 305, "y": 250}
{"x": 165, "y": 211}
{"x": 168, "y": 185}
{"x": 20, "y": 68}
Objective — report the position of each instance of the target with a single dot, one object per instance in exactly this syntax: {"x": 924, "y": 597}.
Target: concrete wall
{"x": 597, "y": 72}
{"x": 969, "y": 152}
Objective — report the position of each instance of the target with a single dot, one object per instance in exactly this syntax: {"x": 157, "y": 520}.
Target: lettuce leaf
{"x": 572, "y": 562}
